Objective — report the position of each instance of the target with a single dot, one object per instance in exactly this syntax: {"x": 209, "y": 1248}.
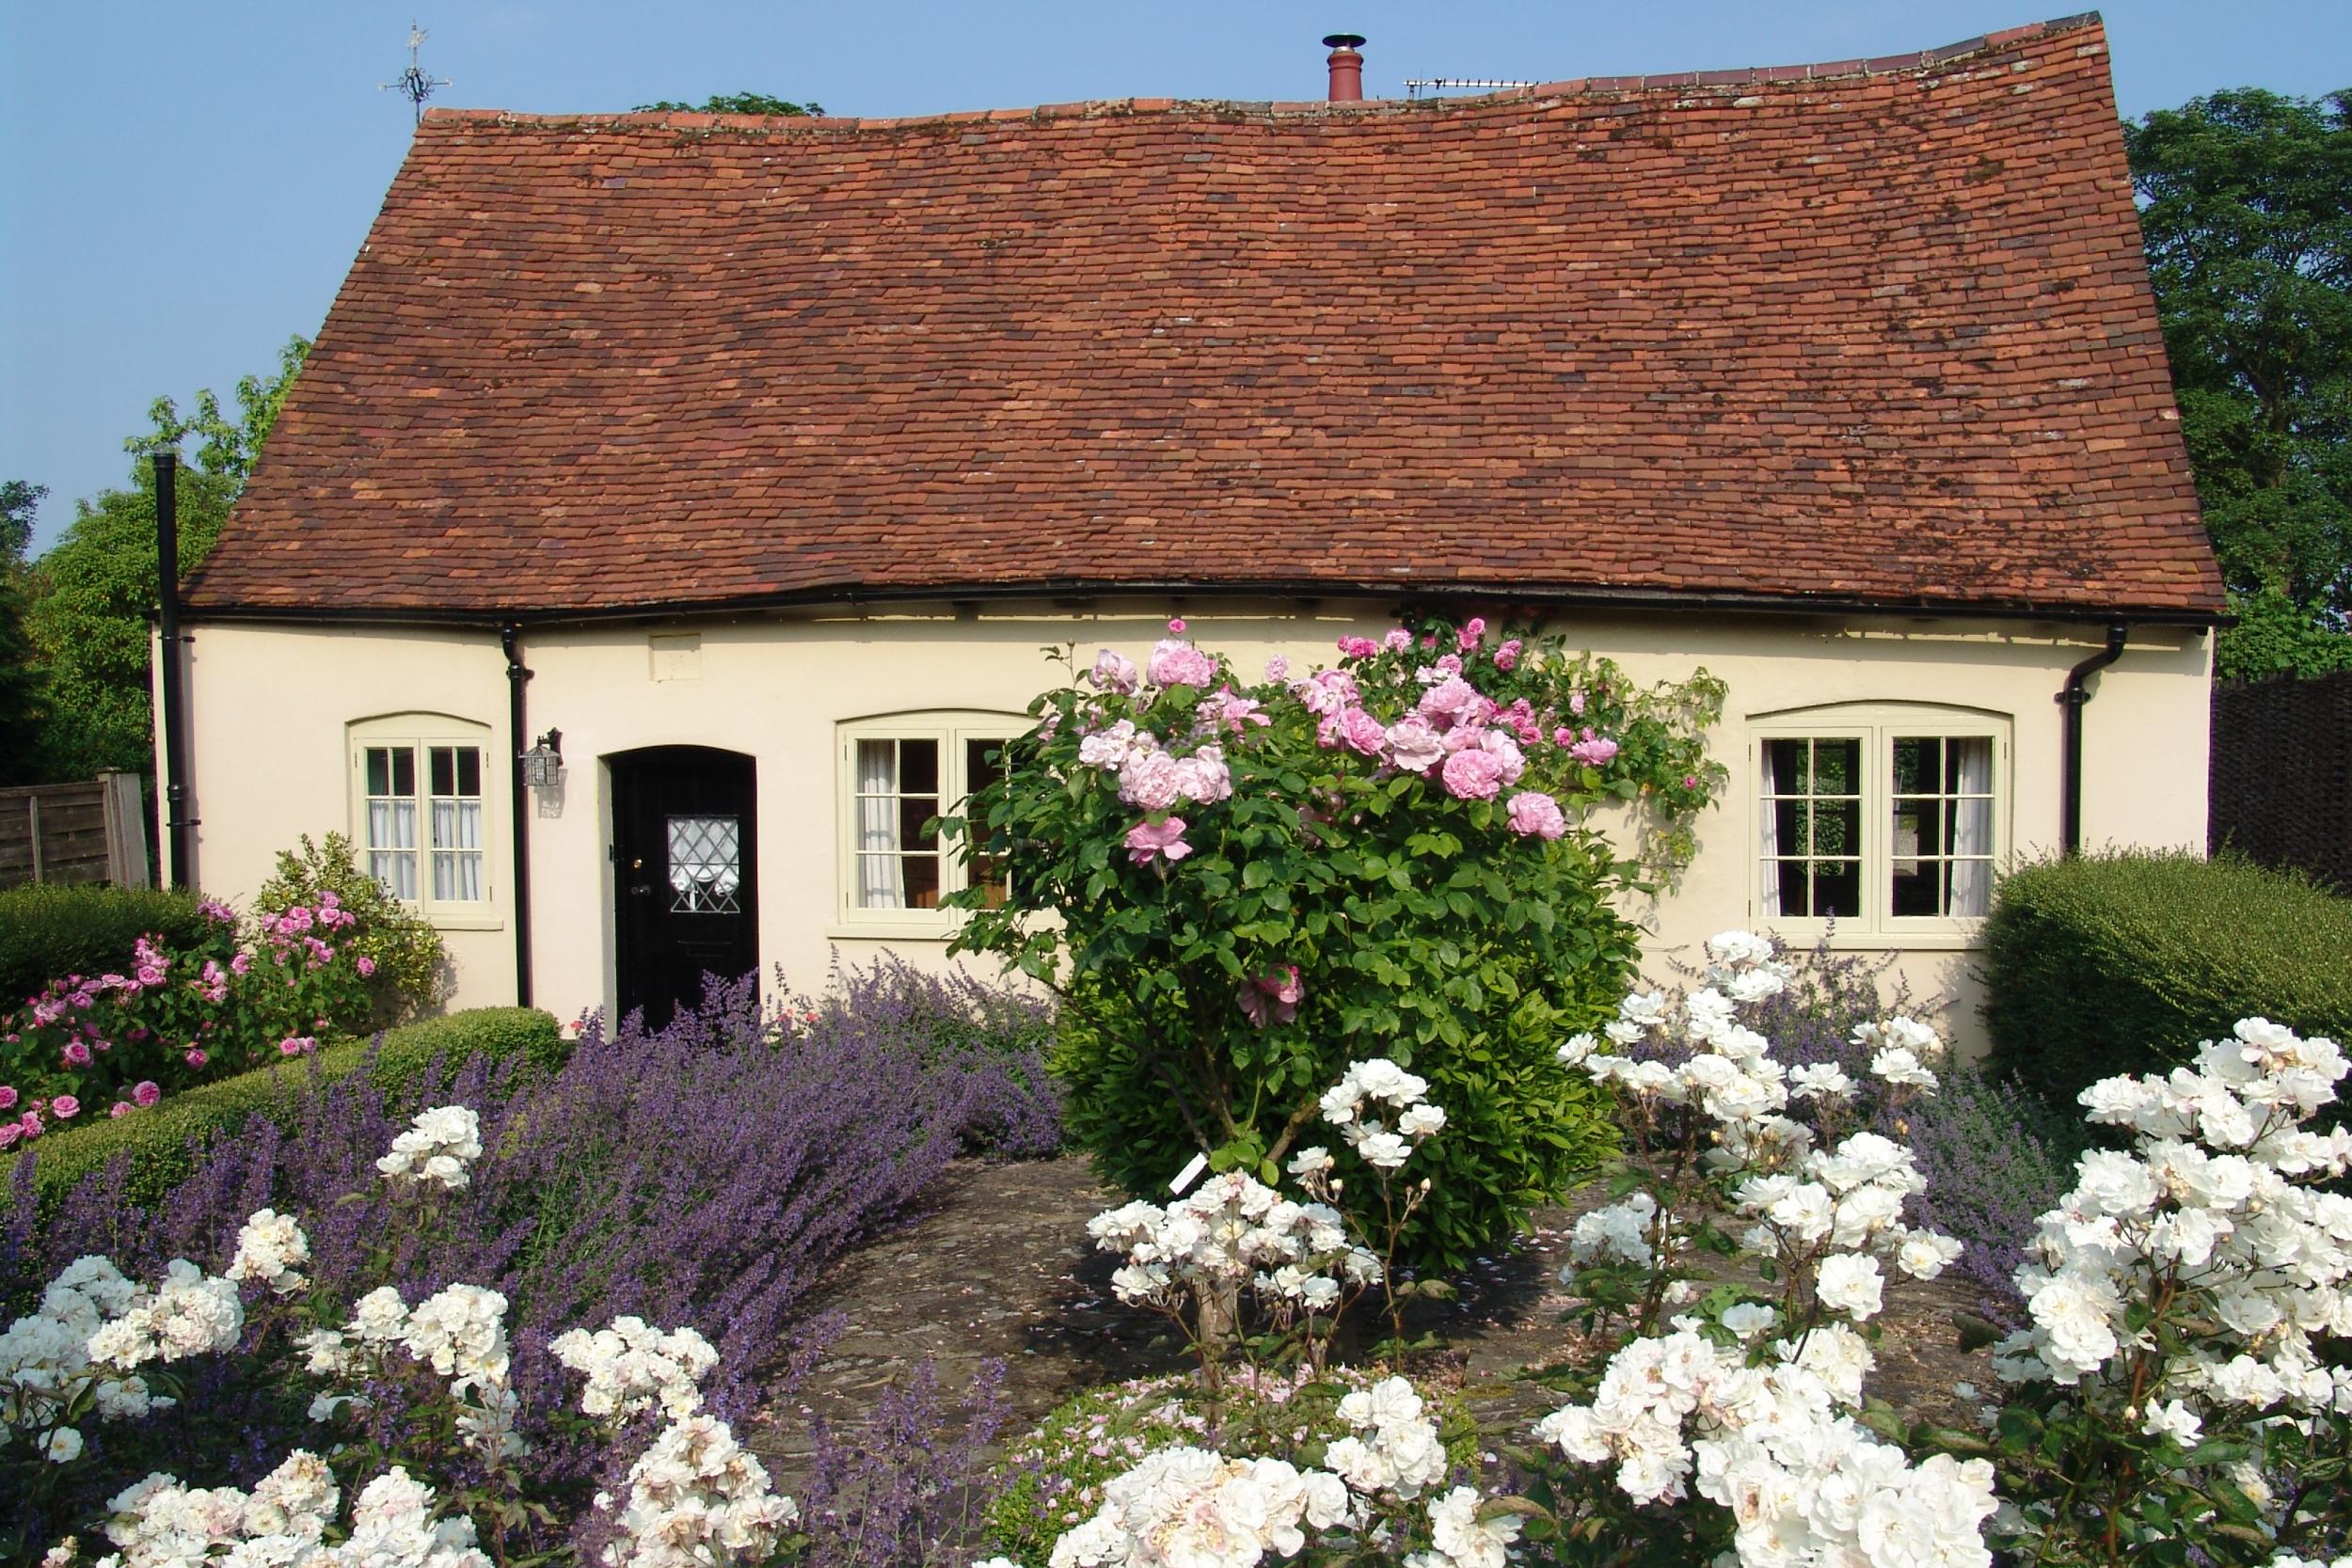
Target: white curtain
{"x": 1972, "y": 825}
{"x": 1769, "y": 848}
{"x": 458, "y": 846}
{"x": 881, "y": 879}
{"x": 393, "y": 845}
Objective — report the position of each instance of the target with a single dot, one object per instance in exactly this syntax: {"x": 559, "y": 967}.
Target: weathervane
{"x": 413, "y": 83}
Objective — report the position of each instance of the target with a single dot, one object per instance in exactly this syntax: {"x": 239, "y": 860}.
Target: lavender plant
{"x": 707, "y": 1173}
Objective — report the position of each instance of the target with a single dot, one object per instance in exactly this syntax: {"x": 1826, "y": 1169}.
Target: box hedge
{"x": 2118, "y": 963}
{"x": 50, "y": 931}
{"x": 160, "y": 1143}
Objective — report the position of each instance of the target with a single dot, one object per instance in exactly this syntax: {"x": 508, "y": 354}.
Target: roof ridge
{"x": 1919, "y": 61}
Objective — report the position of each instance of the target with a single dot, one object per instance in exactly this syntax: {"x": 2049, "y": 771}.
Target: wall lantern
{"x": 543, "y": 765}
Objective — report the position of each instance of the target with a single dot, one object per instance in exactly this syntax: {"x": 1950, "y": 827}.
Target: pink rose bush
{"x": 1228, "y": 877}
{"x": 246, "y": 993}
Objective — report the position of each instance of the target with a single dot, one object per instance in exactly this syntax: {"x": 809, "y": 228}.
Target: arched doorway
{"x": 685, "y": 873}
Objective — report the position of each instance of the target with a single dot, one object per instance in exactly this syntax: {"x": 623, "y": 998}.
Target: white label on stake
{"x": 1187, "y": 1176}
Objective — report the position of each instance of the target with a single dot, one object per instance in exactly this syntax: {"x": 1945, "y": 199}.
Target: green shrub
{"x": 411, "y": 971}
{"x": 2118, "y": 963}
{"x": 51, "y": 931}
{"x": 158, "y": 1141}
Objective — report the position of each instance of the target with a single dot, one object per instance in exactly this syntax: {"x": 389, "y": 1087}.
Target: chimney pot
{"x": 1347, "y": 67}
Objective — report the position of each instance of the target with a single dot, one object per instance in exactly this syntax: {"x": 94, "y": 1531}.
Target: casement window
{"x": 420, "y": 829}
{"x": 1886, "y": 819}
{"x": 897, "y": 775}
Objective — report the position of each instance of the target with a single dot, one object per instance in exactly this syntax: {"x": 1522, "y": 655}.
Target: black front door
{"x": 685, "y": 859}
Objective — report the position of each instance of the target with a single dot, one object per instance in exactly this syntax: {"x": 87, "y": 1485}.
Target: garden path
{"x": 996, "y": 1265}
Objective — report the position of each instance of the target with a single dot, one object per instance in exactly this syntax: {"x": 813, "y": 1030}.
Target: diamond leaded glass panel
{"x": 705, "y": 864}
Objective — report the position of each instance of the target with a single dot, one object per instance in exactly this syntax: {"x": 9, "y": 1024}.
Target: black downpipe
{"x": 176, "y": 823}
{"x": 510, "y": 638}
{"x": 2072, "y": 699}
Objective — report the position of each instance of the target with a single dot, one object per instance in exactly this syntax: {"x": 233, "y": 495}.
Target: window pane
{"x": 918, "y": 766}
{"x": 913, "y": 812}
{"x": 469, "y": 770}
{"x": 379, "y": 771}
{"x": 984, "y": 763}
{"x": 1838, "y": 889}
{"x": 441, "y": 768}
{"x": 404, "y": 771}
{"x": 922, "y": 875}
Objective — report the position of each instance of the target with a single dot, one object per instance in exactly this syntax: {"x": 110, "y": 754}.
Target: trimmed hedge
{"x": 50, "y": 931}
{"x": 160, "y": 1143}
{"x": 2117, "y": 962}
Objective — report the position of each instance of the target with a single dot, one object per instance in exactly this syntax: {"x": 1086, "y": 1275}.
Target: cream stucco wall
{"x": 272, "y": 705}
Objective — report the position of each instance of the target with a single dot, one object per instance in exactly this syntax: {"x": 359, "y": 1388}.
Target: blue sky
{"x": 183, "y": 186}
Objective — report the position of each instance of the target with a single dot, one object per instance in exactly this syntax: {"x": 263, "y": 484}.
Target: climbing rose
{"x": 1148, "y": 841}
{"x": 1536, "y": 815}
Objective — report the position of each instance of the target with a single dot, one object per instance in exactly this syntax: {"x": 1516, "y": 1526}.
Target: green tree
{"x": 94, "y": 589}
{"x": 736, "y": 103}
{"x": 2246, "y": 204}
{"x": 20, "y": 679}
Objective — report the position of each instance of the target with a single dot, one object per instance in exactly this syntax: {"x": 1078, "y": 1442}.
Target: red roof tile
{"x": 1876, "y": 334}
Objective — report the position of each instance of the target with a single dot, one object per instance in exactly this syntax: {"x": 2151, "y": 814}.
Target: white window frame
{"x": 952, "y": 729}
{"x": 1877, "y": 726}
{"x": 418, "y": 733}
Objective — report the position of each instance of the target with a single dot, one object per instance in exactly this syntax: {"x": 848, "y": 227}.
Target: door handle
{"x": 641, "y": 890}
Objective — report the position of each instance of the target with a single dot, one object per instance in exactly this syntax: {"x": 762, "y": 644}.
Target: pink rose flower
{"x": 1576, "y": 704}
{"x": 1521, "y": 718}
{"x": 241, "y": 964}
{"x": 1113, "y": 672}
{"x": 296, "y": 1045}
{"x": 65, "y": 1107}
{"x": 1594, "y": 751}
{"x": 1690, "y": 781}
{"x": 1507, "y": 657}
{"x": 1505, "y": 751}
{"x": 76, "y": 1053}
{"x": 1533, "y": 814}
{"x": 1149, "y": 841}
{"x": 1473, "y": 775}
{"x": 1397, "y": 639}
{"x": 1413, "y": 746}
{"x": 1358, "y": 647}
{"x": 1473, "y": 632}
{"x": 195, "y": 1057}
{"x": 1176, "y": 624}
{"x": 1278, "y": 668}
{"x": 1178, "y": 663}
{"x": 119, "y": 1108}
{"x": 1149, "y": 781}
{"x": 1452, "y": 701}
{"x": 1329, "y": 692}
{"x": 1272, "y": 997}
{"x": 8, "y": 1097}
{"x": 9, "y": 1133}
{"x": 366, "y": 966}
{"x": 1362, "y": 732}
{"x": 1564, "y": 737}
{"x": 145, "y": 1093}
{"x": 1203, "y": 778}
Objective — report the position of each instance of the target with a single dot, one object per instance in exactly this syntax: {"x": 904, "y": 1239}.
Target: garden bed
{"x": 996, "y": 1265}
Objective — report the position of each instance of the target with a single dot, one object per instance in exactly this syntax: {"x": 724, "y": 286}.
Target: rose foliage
{"x": 1230, "y": 881}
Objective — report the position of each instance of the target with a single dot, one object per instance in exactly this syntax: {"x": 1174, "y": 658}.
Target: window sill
{"x": 894, "y": 930}
{"x": 1844, "y": 938}
{"x": 466, "y": 922}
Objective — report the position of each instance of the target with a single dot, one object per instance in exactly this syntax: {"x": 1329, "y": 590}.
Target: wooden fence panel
{"x": 2282, "y": 774}
{"x": 72, "y": 832}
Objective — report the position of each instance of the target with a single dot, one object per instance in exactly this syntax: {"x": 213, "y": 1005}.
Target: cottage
{"x": 744, "y": 465}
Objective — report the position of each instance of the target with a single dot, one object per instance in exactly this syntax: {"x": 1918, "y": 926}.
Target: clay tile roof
{"x": 1876, "y": 332}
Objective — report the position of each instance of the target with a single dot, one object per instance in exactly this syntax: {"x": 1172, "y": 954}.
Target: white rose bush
{"x": 2177, "y": 1391}
{"x": 437, "y": 1487}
